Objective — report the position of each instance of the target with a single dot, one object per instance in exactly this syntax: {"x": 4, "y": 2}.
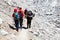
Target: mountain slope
{"x": 45, "y": 24}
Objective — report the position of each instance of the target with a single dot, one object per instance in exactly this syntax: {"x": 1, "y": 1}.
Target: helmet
{"x": 15, "y": 9}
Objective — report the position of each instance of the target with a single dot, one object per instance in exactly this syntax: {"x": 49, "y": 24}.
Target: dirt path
{"x": 23, "y": 35}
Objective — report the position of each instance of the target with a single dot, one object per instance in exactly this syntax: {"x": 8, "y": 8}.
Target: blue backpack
{"x": 15, "y": 15}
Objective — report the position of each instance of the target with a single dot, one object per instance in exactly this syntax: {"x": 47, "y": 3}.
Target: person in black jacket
{"x": 30, "y": 16}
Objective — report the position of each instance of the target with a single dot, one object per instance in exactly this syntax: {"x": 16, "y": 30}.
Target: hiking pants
{"x": 21, "y": 21}
{"x": 16, "y": 23}
{"x": 28, "y": 23}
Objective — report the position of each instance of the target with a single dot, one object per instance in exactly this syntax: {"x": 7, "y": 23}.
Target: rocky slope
{"x": 45, "y": 24}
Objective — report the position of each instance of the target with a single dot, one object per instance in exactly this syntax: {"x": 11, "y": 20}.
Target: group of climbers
{"x": 18, "y": 16}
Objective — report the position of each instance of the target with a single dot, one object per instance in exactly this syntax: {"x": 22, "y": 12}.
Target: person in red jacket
{"x": 21, "y": 16}
{"x": 15, "y": 16}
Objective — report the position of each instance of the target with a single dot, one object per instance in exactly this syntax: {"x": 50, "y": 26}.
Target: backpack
{"x": 30, "y": 14}
{"x": 15, "y": 15}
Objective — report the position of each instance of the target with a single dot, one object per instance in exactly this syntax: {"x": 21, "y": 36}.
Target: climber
{"x": 21, "y": 16}
{"x": 15, "y": 16}
{"x": 30, "y": 16}
{"x": 25, "y": 12}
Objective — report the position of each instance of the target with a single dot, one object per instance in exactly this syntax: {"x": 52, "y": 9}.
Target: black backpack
{"x": 30, "y": 14}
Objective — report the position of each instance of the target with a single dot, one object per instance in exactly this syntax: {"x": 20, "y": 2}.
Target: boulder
{"x": 3, "y": 32}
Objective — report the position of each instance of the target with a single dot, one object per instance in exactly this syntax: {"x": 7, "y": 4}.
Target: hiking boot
{"x": 17, "y": 29}
{"x": 29, "y": 26}
{"x": 20, "y": 27}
